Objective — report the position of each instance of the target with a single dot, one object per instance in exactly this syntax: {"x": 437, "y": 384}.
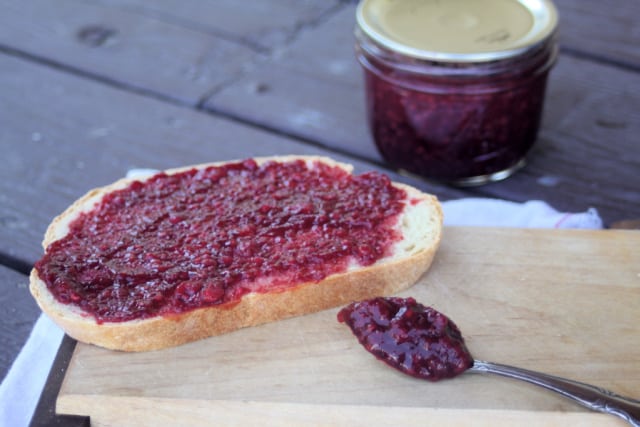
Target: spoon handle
{"x": 595, "y": 398}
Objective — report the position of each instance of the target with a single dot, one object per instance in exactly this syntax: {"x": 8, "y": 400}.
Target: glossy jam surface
{"x": 408, "y": 336}
{"x": 458, "y": 123}
{"x": 206, "y": 237}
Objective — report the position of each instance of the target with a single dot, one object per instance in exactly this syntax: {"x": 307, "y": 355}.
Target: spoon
{"x": 589, "y": 396}
{"x": 424, "y": 343}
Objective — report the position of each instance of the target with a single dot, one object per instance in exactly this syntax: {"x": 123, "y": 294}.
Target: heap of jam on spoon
{"x": 424, "y": 343}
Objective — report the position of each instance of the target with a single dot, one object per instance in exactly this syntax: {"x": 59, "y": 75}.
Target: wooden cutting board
{"x": 562, "y": 302}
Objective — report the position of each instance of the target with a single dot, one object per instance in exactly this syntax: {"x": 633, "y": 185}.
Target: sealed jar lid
{"x": 457, "y": 30}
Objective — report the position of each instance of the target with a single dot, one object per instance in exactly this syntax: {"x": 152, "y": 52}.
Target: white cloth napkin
{"x": 24, "y": 382}
{"x": 21, "y": 388}
{"x": 501, "y": 213}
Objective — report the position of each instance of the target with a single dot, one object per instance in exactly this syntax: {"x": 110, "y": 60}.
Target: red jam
{"x": 459, "y": 120}
{"x": 408, "y": 336}
{"x": 207, "y": 237}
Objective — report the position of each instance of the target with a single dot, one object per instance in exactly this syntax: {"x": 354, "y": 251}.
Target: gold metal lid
{"x": 457, "y": 30}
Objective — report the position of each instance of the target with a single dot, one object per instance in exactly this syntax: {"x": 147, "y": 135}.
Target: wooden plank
{"x": 515, "y": 303}
{"x": 181, "y": 55}
{"x": 318, "y": 96}
{"x": 122, "y": 47}
{"x": 64, "y": 135}
{"x": 267, "y": 24}
{"x": 590, "y": 125}
{"x": 607, "y": 30}
{"x": 17, "y": 317}
{"x": 602, "y": 29}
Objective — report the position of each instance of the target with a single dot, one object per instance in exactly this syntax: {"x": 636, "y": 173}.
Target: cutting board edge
{"x": 130, "y": 411}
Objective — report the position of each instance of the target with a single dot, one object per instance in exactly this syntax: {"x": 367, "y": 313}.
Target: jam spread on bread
{"x": 408, "y": 336}
{"x": 205, "y": 237}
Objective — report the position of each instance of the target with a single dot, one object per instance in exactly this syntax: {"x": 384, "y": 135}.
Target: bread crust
{"x": 411, "y": 258}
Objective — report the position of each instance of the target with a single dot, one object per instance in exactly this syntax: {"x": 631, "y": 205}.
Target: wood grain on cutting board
{"x": 566, "y": 302}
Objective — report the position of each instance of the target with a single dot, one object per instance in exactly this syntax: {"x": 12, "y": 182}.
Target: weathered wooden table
{"x": 92, "y": 88}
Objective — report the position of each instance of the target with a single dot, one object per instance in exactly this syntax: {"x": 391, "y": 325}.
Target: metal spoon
{"x": 421, "y": 342}
{"x": 589, "y": 396}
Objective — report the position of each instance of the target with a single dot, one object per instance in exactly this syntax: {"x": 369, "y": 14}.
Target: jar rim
{"x": 458, "y": 31}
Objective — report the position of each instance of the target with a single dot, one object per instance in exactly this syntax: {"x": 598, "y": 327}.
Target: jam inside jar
{"x": 464, "y": 120}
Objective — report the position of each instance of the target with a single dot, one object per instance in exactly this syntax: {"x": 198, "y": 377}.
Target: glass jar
{"x": 455, "y": 89}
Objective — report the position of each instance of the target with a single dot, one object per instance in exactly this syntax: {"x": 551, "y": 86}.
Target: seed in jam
{"x": 206, "y": 237}
{"x": 406, "y": 335}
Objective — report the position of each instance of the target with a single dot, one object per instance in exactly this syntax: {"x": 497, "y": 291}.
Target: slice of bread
{"x": 420, "y": 225}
